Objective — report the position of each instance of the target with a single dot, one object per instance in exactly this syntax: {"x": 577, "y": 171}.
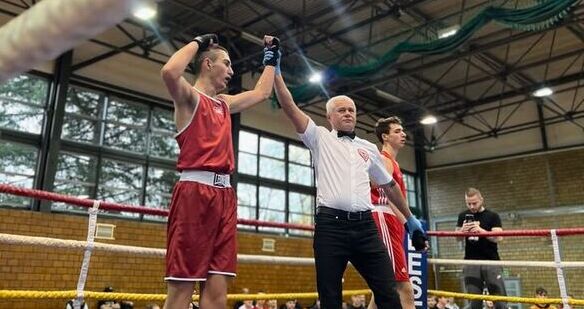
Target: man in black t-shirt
{"x": 477, "y": 219}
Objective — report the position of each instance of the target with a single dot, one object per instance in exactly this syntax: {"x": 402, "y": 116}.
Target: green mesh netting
{"x": 541, "y": 15}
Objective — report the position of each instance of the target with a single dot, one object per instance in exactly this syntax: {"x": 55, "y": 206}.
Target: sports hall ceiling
{"x": 480, "y": 90}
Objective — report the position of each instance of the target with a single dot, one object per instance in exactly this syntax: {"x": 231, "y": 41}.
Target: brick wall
{"x": 523, "y": 187}
{"x": 40, "y": 268}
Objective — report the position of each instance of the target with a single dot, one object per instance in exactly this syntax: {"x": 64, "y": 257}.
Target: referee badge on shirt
{"x": 363, "y": 153}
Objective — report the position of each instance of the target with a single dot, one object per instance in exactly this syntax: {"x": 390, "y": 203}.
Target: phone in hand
{"x": 469, "y": 218}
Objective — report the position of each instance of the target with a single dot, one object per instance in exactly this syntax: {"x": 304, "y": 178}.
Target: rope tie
{"x": 93, "y": 211}
{"x": 559, "y": 270}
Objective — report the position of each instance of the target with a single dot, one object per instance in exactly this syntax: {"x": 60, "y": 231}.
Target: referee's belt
{"x": 207, "y": 178}
{"x": 344, "y": 215}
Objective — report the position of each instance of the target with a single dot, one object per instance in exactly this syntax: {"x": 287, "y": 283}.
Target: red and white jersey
{"x": 206, "y": 143}
{"x": 378, "y": 197}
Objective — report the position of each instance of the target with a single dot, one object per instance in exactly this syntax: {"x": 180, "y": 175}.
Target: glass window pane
{"x": 159, "y": 185}
{"x": 20, "y": 117}
{"x": 246, "y": 203}
{"x": 17, "y": 169}
{"x": 412, "y": 201}
{"x": 82, "y": 115}
{"x": 271, "y": 147}
{"x": 75, "y": 176}
{"x": 246, "y": 194}
{"x": 300, "y": 174}
{"x": 22, "y": 103}
{"x": 126, "y": 127}
{"x": 163, "y": 145}
{"x": 162, "y": 142}
{"x": 301, "y": 211}
{"x": 299, "y": 154}
{"x": 271, "y": 198}
{"x": 272, "y": 168}
{"x": 120, "y": 182}
{"x": 301, "y": 219}
{"x": 83, "y": 102}
{"x": 126, "y": 112}
{"x": 79, "y": 129}
{"x": 272, "y": 216}
{"x": 247, "y": 163}
{"x": 248, "y": 142}
{"x": 25, "y": 89}
{"x": 301, "y": 203}
{"x": 163, "y": 119}
{"x": 125, "y": 138}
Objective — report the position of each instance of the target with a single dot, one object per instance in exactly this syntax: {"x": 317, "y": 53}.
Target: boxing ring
{"x": 50, "y": 28}
{"x": 90, "y": 245}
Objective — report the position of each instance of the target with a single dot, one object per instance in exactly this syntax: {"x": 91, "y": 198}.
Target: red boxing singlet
{"x": 206, "y": 143}
{"x": 377, "y": 195}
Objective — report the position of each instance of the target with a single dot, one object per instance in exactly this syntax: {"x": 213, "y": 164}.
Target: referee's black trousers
{"x": 338, "y": 240}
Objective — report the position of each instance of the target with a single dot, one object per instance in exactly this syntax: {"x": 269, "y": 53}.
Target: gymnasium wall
{"x": 543, "y": 191}
{"x": 24, "y": 267}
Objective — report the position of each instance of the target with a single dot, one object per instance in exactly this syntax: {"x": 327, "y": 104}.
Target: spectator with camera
{"x": 477, "y": 219}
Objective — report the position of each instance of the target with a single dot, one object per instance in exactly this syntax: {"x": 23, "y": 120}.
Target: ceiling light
{"x": 543, "y": 92}
{"x": 315, "y": 78}
{"x": 428, "y": 120}
{"x": 449, "y": 31}
{"x": 146, "y": 11}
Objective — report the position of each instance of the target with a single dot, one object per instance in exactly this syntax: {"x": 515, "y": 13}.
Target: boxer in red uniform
{"x": 202, "y": 225}
{"x": 389, "y": 221}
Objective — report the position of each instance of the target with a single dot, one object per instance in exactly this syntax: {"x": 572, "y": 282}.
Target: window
{"x": 272, "y": 163}
{"x": 162, "y": 143}
{"x": 75, "y": 176}
{"x": 276, "y": 181}
{"x": 411, "y": 190}
{"x": 272, "y": 205}
{"x": 128, "y": 137}
{"x": 120, "y": 182}
{"x": 159, "y": 185}
{"x": 17, "y": 169}
{"x": 82, "y": 114}
{"x": 300, "y": 166}
{"x": 23, "y": 101}
{"x": 246, "y": 203}
{"x": 125, "y": 126}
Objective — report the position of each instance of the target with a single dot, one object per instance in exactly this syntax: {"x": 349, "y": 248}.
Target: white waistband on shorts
{"x": 207, "y": 178}
{"x": 384, "y": 209}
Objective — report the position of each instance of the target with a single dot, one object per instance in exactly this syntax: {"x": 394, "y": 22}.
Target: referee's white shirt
{"x": 343, "y": 167}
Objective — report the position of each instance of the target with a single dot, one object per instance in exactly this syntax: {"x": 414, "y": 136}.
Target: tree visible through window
{"x": 276, "y": 181}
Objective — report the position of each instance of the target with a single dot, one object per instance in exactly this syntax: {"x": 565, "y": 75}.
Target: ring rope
{"x": 575, "y": 264}
{"x": 508, "y": 299}
{"x": 246, "y": 258}
{"x": 530, "y": 233}
{"x": 88, "y": 203}
{"x": 23, "y": 294}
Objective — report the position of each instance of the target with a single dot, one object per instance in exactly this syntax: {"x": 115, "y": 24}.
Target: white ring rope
{"x": 245, "y": 258}
{"x": 506, "y": 263}
{"x": 52, "y": 27}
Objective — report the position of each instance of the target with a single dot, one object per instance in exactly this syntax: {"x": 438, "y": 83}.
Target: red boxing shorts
{"x": 392, "y": 232}
{"x": 201, "y": 232}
